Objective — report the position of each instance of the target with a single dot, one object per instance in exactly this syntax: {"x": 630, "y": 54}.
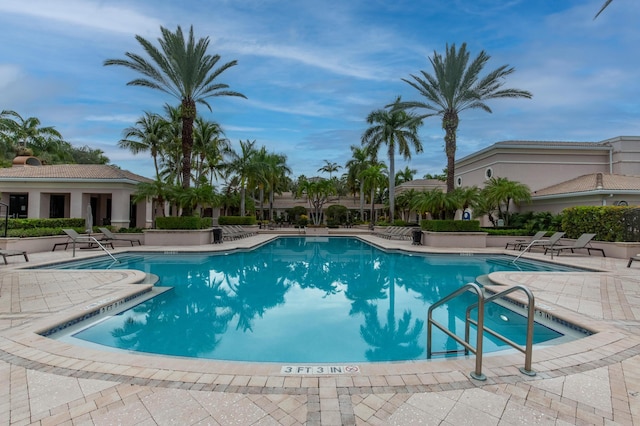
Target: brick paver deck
{"x": 594, "y": 380}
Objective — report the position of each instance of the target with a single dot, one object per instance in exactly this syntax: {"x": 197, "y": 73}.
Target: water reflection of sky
{"x": 292, "y": 300}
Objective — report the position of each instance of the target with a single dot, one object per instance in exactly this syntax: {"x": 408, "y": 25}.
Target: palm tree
{"x": 207, "y": 145}
{"x": 373, "y": 177}
{"x": 184, "y": 70}
{"x": 276, "y": 176}
{"x": 466, "y": 197}
{"x": 502, "y": 192}
{"x": 243, "y": 165}
{"x": 148, "y": 134}
{"x": 456, "y": 86}
{"x": 405, "y": 175}
{"x": 398, "y": 129}
{"x": 441, "y": 205}
{"x": 171, "y": 155}
{"x": 604, "y": 6}
{"x": 329, "y": 167}
{"x": 404, "y": 201}
{"x": 27, "y": 133}
{"x": 361, "y": 159}
{"x": 317, "y": 192}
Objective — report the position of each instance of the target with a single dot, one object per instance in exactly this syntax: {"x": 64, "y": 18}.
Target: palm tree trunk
{"x": 188, "y": 115}
{"x": 450, "y": 125}
{"x": 361, "y": 199}
{"x": 392, "y": 189}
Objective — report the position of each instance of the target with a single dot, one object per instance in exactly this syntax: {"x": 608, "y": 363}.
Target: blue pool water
{"x": 307, "y": 300}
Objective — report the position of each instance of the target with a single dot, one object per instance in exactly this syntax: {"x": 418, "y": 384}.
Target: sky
{"x": 313, "y": 70}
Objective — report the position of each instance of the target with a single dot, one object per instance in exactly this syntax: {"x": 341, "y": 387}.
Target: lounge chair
{"x": 520, "y": 244}
{"x": 74, "y": 238}
{"x": 632, "y": 258}
{"x": 110, "y": 236}
{"x": 7, "y": 253}
{"x": 583, "y": 242}
{"x": 545, "y": 243}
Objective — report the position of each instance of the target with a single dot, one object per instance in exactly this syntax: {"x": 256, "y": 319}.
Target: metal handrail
{"x": 528, "y": 349}
{"x": 477, "y": 373}
{"x": 99, "y": 245}
{"x": 527, "y": 249}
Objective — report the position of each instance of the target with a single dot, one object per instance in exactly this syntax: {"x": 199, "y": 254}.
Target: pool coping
{"x": 23, "y": 345}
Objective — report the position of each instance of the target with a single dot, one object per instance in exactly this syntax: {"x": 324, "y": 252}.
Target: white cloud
{"x": 96, "y": 15}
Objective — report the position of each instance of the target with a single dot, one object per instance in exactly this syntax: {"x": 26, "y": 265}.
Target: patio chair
{"x": 520, "y": 244}
{"x": 545, "y": 243}
{"x": 110, "y": 236}
{"x": 583, "y": 242}
{"x": 7, "y": 253}
{"x": 74, "y": 238}
{"x": 632, "y": 258}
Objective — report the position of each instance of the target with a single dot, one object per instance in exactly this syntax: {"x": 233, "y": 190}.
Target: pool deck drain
{"x": 595, "y": 380}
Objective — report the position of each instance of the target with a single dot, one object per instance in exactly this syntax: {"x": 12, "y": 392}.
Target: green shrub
{"x": 604, "y": 221}
{"x": 45, "y": 223}
{"x": 450, "y": 225}
{"x": 294, "y": 213}
{"x": 237, "y": 220}
{"x": 507, "y": 231}
{"x": 183, "y": 222}
{"x": 337, "y": 214}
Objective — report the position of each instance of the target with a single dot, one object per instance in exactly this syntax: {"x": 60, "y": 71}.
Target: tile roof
{"x": 71, "y": 171}
{"x": 588, "y": 183}
{"x": 546, "y": 143}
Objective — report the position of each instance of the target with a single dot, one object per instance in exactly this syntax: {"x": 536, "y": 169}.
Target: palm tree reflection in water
{"x": 236, "y": 302}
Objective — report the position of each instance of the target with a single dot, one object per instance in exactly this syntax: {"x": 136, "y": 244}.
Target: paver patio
{"x": 594, "y": 380}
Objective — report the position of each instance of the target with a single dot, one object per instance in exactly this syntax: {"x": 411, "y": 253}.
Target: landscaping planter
{"x": 178, "y": 237}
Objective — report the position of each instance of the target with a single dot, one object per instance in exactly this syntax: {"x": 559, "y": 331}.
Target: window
{"x": 56, "y": 206}
{"x": 459, "y": 182}
{"x": 488, "y": 173}
{"x": 19, "y": 205}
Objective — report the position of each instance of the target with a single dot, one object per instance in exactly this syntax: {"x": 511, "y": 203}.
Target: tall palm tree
{"x": 276, "y": 176}
{"x": 330, "y": 168}
{"x": 604, "y": 6}
{"x": 361, "y": 159}
{"x": 148, "y": 134}
{"x": 374, "y": 178}
{"x": 398, "y": 129}
{"x": 208, "y": 145}
{"x": 455, "y": 86}
{"x": 171, "y": 156}
{"x": 243, "y": 165}
{"x": 183, "y": 69}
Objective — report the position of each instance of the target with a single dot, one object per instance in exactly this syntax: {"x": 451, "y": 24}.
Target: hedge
{"x": 237, "y": 220}
{"x": 44, "y": 223}
{"x": 183, "y": 222}
{"x": 22, "y": 228}
{"x": 607, "y": 222}
{"x": 450, "y": 225}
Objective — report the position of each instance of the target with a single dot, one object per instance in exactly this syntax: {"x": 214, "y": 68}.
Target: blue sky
{"x": 313, "y": 70}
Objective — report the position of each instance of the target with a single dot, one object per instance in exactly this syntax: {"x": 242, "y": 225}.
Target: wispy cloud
{"x": 97, "y": 15}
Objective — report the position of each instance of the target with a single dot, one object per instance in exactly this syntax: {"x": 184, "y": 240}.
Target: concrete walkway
{"x": 594, "y": 380}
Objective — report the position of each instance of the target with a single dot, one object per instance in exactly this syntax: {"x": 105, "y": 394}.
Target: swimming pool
{"x": 302, "y": 300}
